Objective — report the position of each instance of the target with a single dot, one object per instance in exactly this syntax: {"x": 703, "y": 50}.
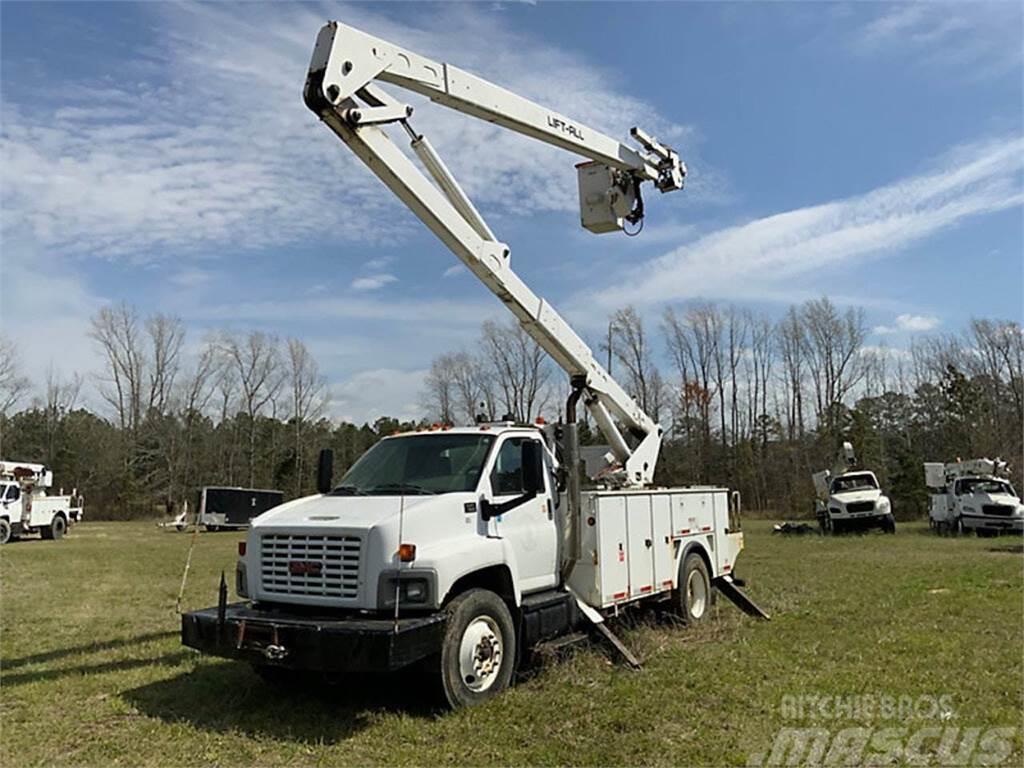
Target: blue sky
{"x": 160, "y": 153}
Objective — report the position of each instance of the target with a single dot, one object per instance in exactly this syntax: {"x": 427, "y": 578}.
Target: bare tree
{"x": 792, "y": 342}
{"x": 692, "y": 342}
{"x": 520, "y": 367}
{"x": 13, "y": 385}
{"x": 166, "y": 336}
{"x": 308, "y": 400}
{"x": 61, "y": 396}
{"x": 440, "y": 391}
{"x": 833, "y": 346}
{"x": 630, "y": 346}
{"x": 257, "y": 363}
{"x": 116, "y": 330}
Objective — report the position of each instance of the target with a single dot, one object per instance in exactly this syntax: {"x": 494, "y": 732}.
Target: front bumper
{"x": 320, "y": 643}
{"x": 993, "y": 523}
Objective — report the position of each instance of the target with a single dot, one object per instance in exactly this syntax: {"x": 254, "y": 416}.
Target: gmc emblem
{"x": 304, "y": 567}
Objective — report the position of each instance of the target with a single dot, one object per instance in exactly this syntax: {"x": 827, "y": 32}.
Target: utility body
{"x": 850, "y": 498}
{"x": 26, "y": 507}
{"x": 974, "y": 495}
{"x": 463, "y": 548}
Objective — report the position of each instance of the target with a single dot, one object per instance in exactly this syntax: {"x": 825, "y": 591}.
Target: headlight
{"x": 413, "y": 588}
{"x": 884, "y": 505}
{"x": 241, "y": 580}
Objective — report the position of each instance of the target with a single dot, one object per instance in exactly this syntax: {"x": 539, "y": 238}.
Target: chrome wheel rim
{"x": 480, "y": 654}
{"x": 696, "y": 594}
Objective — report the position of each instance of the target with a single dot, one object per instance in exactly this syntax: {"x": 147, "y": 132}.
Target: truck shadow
{"x": 88, "y": 648}
{"x": 230, "y": 697}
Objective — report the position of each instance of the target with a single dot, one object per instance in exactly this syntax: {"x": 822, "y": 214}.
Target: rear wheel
{"x": 58, "y": 527}
{"x": 692, "y": 599}
{"x": 5, "y": 530}
{"x": 479, "y": 648}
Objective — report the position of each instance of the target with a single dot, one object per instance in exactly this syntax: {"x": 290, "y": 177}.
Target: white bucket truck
{"x": 974, "y": 495}
{"x": 462, "y": 548}
{"x": 849, "y": 499}
{"x": 25, "y": 506}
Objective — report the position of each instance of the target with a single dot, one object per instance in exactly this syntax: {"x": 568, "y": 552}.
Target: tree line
{"x": 240, "y": 409}
{"x": 759, "y": 404}
{"x": 748, "y": 401}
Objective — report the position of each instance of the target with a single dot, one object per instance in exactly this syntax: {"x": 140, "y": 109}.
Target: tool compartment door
{"x": 613, "y": 556}
{"x": 663, "y": 549}
{"x": 640, "y": 558}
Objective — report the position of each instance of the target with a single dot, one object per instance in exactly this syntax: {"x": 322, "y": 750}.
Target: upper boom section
{"x": 340, "y": 90}
{"x": 346, "y": 59}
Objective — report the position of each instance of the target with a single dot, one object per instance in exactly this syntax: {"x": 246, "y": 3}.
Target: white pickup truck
{"x": 973, "y": 495}
{"x": 25, "y": 506}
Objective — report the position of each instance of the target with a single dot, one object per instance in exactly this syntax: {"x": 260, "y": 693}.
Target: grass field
{"x": 93, "y": 673}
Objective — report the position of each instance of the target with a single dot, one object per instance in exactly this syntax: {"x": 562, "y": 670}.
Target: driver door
{"x": 530, "y": 528}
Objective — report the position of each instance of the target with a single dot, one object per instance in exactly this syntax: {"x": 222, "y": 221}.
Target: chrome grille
{"x": 1003, "y": 510}
{"x": 860, "y": 506}
{"x": 338, "y": 558}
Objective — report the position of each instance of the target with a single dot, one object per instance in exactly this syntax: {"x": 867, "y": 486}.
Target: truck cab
{"x": 853, "y": 500}
{"x": 412, "y": 517}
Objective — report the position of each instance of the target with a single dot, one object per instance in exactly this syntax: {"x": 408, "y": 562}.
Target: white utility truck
{"x": 974, "y": 495}
{"x": 25, "y": 506}
{"x": 462, "y": 548}
{"x": 848, "y": 498}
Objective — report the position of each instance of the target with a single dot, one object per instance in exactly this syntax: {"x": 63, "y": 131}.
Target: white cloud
{"x": 207, "y": 143}
{"x": 191, "y": 278}
{"x": 369, "y": 394}
{"x": 972, "y": 39}
{"x": 764, "y": 258}
{"x": 909, "y": 323}
{"x": 452, "y": 271}
{"x": 372, "y": 282}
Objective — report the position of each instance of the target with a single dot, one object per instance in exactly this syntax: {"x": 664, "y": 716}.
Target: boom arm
{"x": 345, "y": 62}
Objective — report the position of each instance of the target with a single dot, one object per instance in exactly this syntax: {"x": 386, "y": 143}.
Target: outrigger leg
{"x": 728, "y": 587}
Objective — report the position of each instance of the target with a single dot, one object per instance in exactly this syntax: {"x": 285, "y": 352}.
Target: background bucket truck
{"x": 462, "y": 548}
{"x": 973, "y": 495}
{"x": 25, "y": 506}
{"x": 849, "y": 498}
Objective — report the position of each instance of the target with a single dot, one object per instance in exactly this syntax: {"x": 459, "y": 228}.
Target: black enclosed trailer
{"x": 223, "y": 508}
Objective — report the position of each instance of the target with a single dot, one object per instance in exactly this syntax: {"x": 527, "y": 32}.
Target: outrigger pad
{"x": 728, "y": 587}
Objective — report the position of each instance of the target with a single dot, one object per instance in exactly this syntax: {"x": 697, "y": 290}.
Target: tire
{"x": 478, "y": 652}
{"x": 958, "y": 527}
{"x": 5, "y": 530}
{"x": 213, "y": 529}
{"x": 58, "y": 527}
{"x": 692, "y": 599}
{"x": 889, "y": 526}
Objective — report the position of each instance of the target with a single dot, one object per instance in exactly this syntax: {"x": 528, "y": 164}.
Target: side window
{"x": 507, "y": 475}
{"x": 13, "y": 492}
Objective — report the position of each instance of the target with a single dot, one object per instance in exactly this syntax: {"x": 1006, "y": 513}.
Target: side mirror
{"x": 533, "y": 467}
{"x": 325, "y": 471}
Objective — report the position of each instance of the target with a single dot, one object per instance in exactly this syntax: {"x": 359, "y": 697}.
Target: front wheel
{"x": 479, "y": 649}
{"x": 889, "y": 524}
{"x": 693, "y": 597}
{"x": 5, "y": 530}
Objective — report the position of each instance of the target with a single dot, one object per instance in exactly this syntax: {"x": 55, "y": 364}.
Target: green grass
{"x": 93, "y": 673}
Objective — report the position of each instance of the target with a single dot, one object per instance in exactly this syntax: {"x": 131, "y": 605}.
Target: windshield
{"x": 419, "y": 464}
{"x": 982, "y": 485}
{"x": 854, "y": 483}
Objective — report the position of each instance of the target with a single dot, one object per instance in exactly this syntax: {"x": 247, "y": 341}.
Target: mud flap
{"x": 728, "y": 587}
